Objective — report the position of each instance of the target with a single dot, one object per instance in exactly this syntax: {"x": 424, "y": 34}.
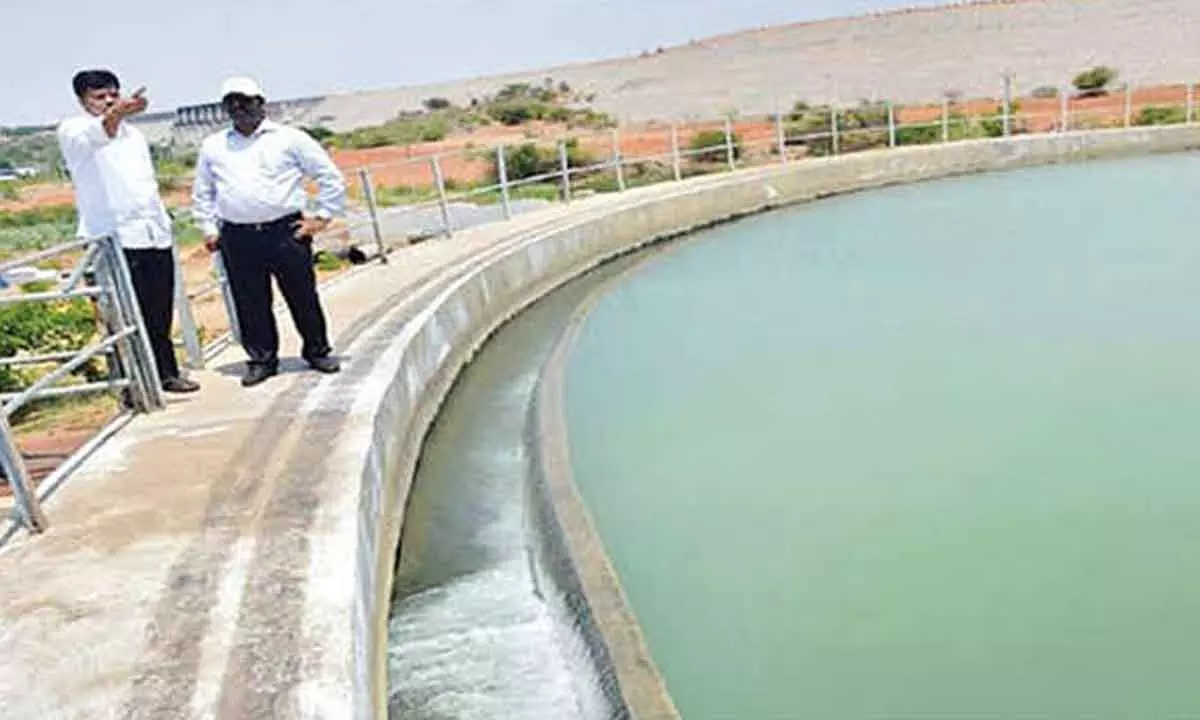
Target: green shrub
{"x": 39, "y": 328}
{"x": 1094, "y": 81}
{"x": 1159, "y": 115}
{"x": 1045, "y": 92}
{"x": 434, "y": 104}
{"x": 710, "y": 146}
{"x": 38, "y": 286}
{"x": 320, "y": 134}
{"x": 49, "y": 214}
{"x": 528, "y": 160}
{"x": 918, "y": 134}
{"x": 328, "y": 262}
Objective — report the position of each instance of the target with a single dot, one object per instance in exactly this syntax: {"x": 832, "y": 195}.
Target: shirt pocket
{"x": 275, "y": 163}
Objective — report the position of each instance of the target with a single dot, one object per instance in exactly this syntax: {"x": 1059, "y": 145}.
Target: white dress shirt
{"x": 261, "y": 178}
{"x": 116, "y": 192}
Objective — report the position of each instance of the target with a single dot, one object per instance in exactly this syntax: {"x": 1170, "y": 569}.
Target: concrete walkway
{"x": 176, "y": 580}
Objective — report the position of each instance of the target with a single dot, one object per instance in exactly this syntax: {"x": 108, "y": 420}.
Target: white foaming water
{"x": 485, "y": 646}
{"x": 473, "y": 633}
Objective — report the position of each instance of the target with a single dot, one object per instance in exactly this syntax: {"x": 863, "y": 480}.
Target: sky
{"x": 181, "y": 51}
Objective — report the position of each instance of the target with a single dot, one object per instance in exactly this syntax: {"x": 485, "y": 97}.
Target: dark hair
{"x": 85, "y": 80}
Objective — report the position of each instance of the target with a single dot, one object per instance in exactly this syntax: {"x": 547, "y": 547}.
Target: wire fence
{"x": 403, "y": 196}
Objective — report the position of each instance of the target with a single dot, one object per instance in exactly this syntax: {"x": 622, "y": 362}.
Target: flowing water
{"x": 924, "y": 452}
{"x": 477, "y": 629}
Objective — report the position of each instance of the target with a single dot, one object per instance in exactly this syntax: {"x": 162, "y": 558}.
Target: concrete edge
{"x": 444, "y": 336}
{"x": 584, "y": 571}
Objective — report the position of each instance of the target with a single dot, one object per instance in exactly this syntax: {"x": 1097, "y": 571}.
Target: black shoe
{"x": 257, "y": 373}
{"x": 325, "y": 364}
{"x": 180, "y": 385}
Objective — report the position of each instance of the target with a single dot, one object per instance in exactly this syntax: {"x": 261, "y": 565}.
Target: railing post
{"x": 235, "y": 328}
{"x": 27, "y": 504}
{"x": 364, "y": 177}
{"x": 439, "y": 180}
{"x": 502, "y": 167}
{"x": 780, "y": 136}
{"x": 676, "y": 166}
{"x": 1128, "y": 105}
{"x": 729, "y": 152}
{"x": 618, "y": 161}
{"x": 564, "y": 167}
{"x": 1064, "y": 101}
{"x": 945, "y": 120}
{"x": 187, "y": 321}
{"x": 833, "y": 125}
{"x": 1007, "y": 110}
{"x": 891, "y": 113}
{"x": 1191, "y": 103}
{"x": 140, "y": 359}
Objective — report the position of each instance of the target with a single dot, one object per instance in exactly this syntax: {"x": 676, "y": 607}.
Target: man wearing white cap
{"x": 249, "y": 200}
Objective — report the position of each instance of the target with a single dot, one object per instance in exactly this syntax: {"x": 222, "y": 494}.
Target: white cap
{"x": 242, "y": 86}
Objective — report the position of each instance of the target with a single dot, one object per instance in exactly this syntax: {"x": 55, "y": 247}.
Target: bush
{"x": 40, "y": 328}
{"x": 320, "y": 134}
{"x": 434, "y": 104}
{"x": 1172, "y": 115}
{"x": 1094, "y": 82}
{"x": 709, "y": 146}
{"x": 918, "y": 135}
{"x": 528, "y": 160}
{"x": 46, "y": 215}
{"x": 401, "y": 131}
{"x": 1045, "y": 92}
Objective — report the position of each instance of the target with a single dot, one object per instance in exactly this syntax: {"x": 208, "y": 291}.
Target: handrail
{"x": 123, "y": 341}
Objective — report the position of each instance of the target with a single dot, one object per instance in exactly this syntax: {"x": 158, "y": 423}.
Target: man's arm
{"x": 331, "y": 187}
{"x": 123, "y": 108}
{"x": 204, "y": 201}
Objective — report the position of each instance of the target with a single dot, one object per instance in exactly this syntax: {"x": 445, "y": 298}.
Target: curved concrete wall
{"x": 415, "y": 367}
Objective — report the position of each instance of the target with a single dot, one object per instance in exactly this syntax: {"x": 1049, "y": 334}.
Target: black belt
{"x": 286, "y": 220}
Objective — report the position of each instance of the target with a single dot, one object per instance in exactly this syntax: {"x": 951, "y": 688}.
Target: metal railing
{"x": 572, "y": 165}
{"x": 101, "y": 277}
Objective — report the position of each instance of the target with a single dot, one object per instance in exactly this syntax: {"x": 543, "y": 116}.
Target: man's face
{"x": 243, "y": 110}
{"x": 98, "y": 101}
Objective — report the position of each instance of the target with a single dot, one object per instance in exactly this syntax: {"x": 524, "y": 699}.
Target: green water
{"x": 927, "y": 452}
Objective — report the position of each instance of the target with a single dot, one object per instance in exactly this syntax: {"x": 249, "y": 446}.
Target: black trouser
{"x": 254, "y": 254}
{"x": 153, "y": 273}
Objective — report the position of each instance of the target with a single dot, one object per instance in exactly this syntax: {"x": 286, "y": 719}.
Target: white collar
{"x": 266, "y": 126}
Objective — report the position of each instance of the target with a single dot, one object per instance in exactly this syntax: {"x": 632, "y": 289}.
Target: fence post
{"x": 675, "y": 164}
{"x": 140, "y": 359}
{"x": 435, "y": 164}
{"x": 1191, "y": 102}
{"x": 187, "y": 321}
{"x": 780, "y": 136}
{"x": 1128, "y": 105}
{"x": 235, "y": 328}
{"x": 1007, "y": 110}
{"x": 1064, "y": 101}
{"x": 364, "y": 177}
{"x": 729, "y": 153}
{"x": 502, "y": 166}
{"x": 945, "y": 120}
{"x": 13, "y": 464}
{"x": 618, "y": 161}
{"x": 833, "y": 129}
{"x": 891, "y": 110}
{"x": 564, "y": 164}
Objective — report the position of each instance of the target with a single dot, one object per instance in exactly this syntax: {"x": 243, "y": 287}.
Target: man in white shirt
{"x": 248, "y": 198}
{"x": 116, "y": 195}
